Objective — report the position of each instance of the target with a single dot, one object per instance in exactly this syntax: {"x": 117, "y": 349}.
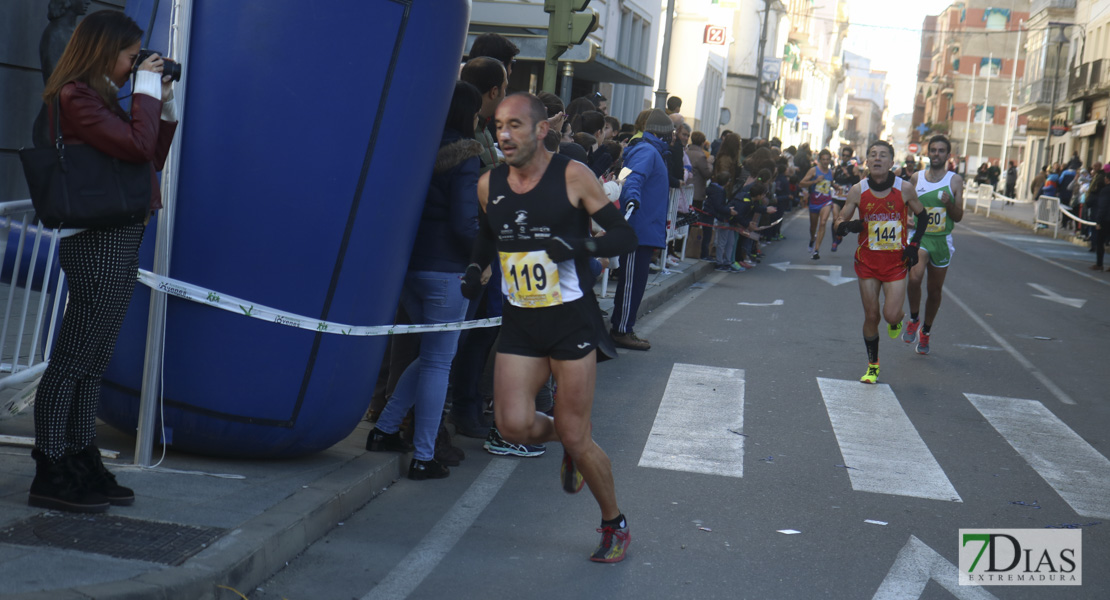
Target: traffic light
{"x": 568, "y": 25}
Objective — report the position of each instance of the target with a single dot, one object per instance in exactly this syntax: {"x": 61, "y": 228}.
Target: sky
{"x": 889, "y": 34}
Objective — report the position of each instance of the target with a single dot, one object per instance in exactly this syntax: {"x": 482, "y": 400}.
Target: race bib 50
{"x": 938, "y": 218}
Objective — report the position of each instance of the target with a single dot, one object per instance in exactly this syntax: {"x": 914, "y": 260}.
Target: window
{"x": 996, "y": 18}
{"x": 984, "y": 114}
{"x": 989, "y": 67}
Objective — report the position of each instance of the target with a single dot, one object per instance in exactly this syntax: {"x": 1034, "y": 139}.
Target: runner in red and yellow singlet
{"x": 884, "y": 255}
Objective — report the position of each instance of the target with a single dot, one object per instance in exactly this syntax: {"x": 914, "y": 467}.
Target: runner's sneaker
{"x": 495, "y": 444}
{"x": 872, "y": 375}
{"x": 812, "y": 241}
{"x": 569, "y": 476}
{"x": 835, "y": 243}
{"x": 614, "y": 543}
{"x": 923, "y": 345}
{"x": 816, "y": 255}
{"x": 894, "y": 330}
{"x": 910, "y": 334}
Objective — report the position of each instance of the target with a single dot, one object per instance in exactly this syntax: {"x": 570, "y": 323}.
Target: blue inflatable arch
{"x": 307, "y": 144}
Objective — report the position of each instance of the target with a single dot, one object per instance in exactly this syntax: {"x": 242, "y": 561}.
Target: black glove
{"x": 910, "y": 254}
{"x": 847, "y": 227}
{"x": 472, "y": 282}
{"x": 630, "y": 206}
{"x": 559, "y": 249}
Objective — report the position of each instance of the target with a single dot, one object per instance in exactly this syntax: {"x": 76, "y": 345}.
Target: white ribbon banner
{"x": 197, "y": 294}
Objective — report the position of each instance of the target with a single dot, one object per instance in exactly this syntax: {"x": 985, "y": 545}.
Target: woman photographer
{"x": 101, "y": 264}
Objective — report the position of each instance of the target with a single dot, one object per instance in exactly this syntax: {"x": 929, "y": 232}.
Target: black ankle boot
{"x": 99, "y": 479}
{"x": 427, "y": 469}
{"x": 58, "y": 486}
{"x": 444, "y": 452}
{"x": 379, "y": 441}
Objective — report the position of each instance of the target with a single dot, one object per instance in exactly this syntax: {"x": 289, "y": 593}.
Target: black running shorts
{"x": 562, "y": 332}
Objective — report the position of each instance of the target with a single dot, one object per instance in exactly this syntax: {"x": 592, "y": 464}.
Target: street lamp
{"x": 1059, "y": 39}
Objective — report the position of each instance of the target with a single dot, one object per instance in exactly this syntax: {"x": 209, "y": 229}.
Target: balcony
{"x": 1089, "y": 79}
{"x": 1036, "y": 97}
{"x": 1040, "y": 5}
{"x": 793, "y": 89}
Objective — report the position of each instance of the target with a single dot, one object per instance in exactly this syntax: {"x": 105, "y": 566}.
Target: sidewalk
{"x": 200, "y": 522}
{"x": 1021, "y": 215}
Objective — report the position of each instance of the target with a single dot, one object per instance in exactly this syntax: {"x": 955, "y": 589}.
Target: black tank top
{"x": 525, "y": 222}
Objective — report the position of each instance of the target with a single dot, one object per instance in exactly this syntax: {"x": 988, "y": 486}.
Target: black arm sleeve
{"x": 619, "y": 236}
{"x": 484, "y": 246}
{"x": 922, "y": 223}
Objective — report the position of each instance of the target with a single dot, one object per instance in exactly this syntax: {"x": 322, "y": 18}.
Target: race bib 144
{"x": 884, "y": 235}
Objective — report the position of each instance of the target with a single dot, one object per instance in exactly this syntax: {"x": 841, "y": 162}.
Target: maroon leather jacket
{"x": 86, "y": 119}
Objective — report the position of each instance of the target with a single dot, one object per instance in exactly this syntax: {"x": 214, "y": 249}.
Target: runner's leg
{"x": 894, "y": 298}
{"x": 575, "y": 379}
{"x": 516, "y": 381}
{"x": 917, "y": 274}
{"x": 935, "y": 285}
{"x": 869, "y": 294}
{"x": 823, "y": 217}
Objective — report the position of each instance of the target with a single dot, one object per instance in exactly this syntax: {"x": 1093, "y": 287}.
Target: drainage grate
{"x": 151, "y": 541}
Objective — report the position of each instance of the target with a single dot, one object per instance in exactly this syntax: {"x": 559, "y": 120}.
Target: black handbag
{"x": 78, "y": 186}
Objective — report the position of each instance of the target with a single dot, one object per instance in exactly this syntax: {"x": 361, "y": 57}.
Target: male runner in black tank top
{"x": 535, "y": 212}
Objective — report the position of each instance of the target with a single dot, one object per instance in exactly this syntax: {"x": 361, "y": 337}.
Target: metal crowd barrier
{"x": 31, "y": 303}
{"x": 1047, "y": 213}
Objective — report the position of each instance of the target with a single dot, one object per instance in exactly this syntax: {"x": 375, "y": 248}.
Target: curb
{"x": 248, "y": 555}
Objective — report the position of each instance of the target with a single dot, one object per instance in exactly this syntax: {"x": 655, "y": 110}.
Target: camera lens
{"x": 171, "y": 68}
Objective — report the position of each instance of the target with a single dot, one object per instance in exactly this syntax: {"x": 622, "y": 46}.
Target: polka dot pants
{"x": 101, "y": 267}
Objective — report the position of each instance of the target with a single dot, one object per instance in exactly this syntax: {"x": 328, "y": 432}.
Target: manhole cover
{"x": 151, "y": 541}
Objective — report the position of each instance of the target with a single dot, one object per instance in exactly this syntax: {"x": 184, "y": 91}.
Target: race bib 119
{"x": 531, "y": 279}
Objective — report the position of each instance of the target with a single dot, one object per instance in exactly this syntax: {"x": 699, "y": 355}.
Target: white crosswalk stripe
{"x": 699, "y": 421}
{"x": 699, "y": 428}
{"x": 880, "y": 445}
{"x": 1066, "y": 461}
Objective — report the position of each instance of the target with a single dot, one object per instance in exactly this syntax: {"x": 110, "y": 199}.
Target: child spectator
{"x": 716, "y": 206}
{"x": 743, "y": 209}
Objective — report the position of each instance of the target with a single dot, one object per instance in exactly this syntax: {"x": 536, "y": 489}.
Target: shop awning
{"x": 1085, "y": 129}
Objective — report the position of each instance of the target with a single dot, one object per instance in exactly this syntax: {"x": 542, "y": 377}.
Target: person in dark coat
{"x": 1102, "y": 222}
{"x": 431, "y": 293}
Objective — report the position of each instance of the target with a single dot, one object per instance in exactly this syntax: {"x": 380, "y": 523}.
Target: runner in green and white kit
{"x": 941, "y": 192}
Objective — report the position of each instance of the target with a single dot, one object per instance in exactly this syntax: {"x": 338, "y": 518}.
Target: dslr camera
{"x": 169, "y": 67}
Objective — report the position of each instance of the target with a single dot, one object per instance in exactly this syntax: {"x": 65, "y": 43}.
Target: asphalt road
{"x": 746, "y": 419}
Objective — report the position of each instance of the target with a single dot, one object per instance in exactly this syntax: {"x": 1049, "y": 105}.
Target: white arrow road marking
{"x": 1066, "y": 461}
{"x": 880, "y": 444}
{"x": 834, "y": 277}
{"x": 915, "y": 565}
{"x": 697, "y": 428}
{"x": 1052, "y": 296}
{"x": 775, "y": 303}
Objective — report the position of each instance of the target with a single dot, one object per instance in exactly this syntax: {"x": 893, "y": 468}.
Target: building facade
{"x": 972, "y": 72}
{"x": 813, "y": 76}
